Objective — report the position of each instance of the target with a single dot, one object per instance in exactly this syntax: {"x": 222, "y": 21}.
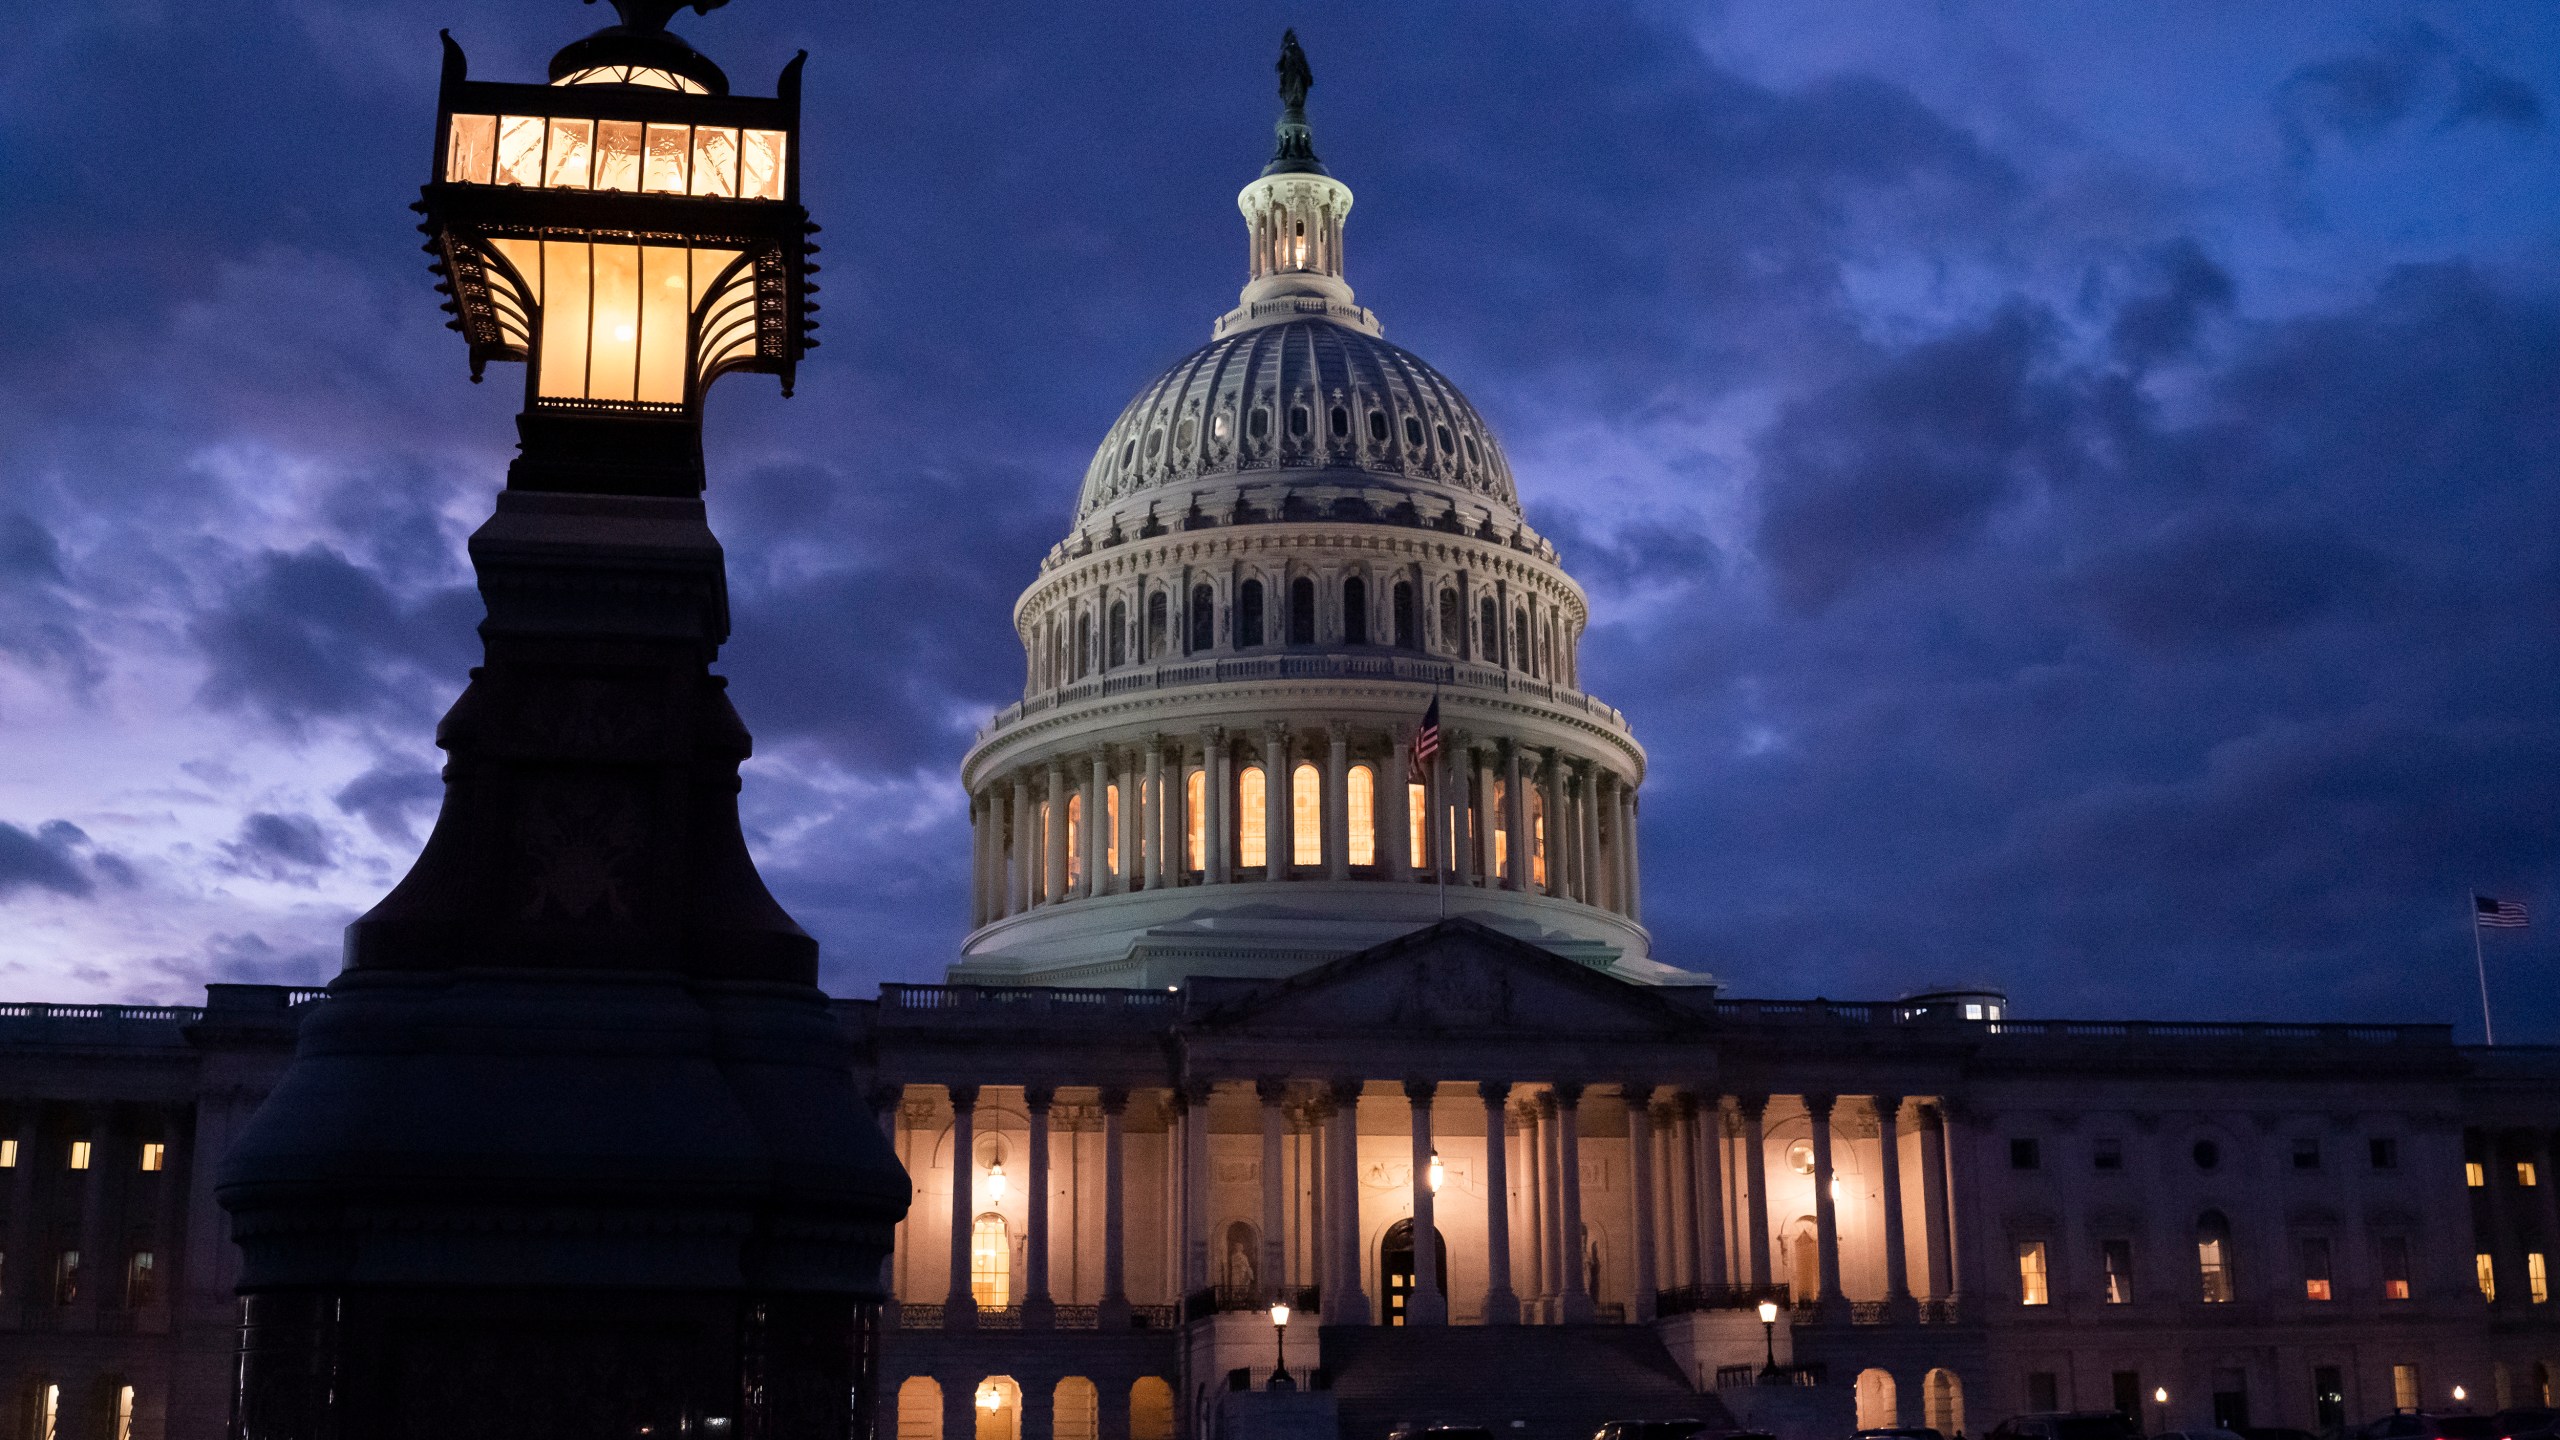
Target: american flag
{"x": 1426, "y": 741}
{"x": 2497, "y": 914}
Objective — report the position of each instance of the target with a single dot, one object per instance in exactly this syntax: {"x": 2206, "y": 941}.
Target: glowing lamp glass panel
{"x": 569, "y": 154}
{"x": 573, "y": 153}
{"x": 471, "y": 149}
{"x": 520, "y": 150}
{"x": 617, "y": 319}
{"x": 648, "y": 75}
{"x": 618, "y": 155}
{"x": 662, "y": 167}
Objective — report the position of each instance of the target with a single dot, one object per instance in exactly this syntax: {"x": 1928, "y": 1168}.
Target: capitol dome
{"x": 1294, "y": 546}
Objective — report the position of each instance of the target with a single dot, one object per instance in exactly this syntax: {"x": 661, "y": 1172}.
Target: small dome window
{"x": 1341, "y": 422}
{"x": 1298, "y": 422}
{"x": 1378, "y": 426}
{"x": 1413, "y": 431}
{"x": 1155, "y": 443}
{"x": 2208, "y": 1155}
{"x": 1129, "y": 451}
{"x": 1221, "y": 426}
{"x": 1259, "y": 426}
{"x": 1187, "y": 432}
{"x": 1447, "y": 442}
{"x": 1470, "y": 442}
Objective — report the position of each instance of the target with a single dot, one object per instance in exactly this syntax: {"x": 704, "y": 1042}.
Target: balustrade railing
{"x": 1311, "y": 665}
{"x": 1690, "y": 1299}
{"x": 1729, "y": 1376}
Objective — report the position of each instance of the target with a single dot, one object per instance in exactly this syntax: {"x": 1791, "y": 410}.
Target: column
{"x": 1195, "y": 1187}
{"x": 1277, "y": 841}
{"x": 1114, "y": 1311}
{"x": 1216, "y": 786}
{"x": 1552, "y": 1262}
{"x": 1575, "y": 1303}
{"x": 1337, "y": 802}
{"x": 1755, "y": 1174}
{"x": 1515, "y": 818}
{"x": 1587, "y": 811}
{"x": 1039, "y": 1312}
{"x": 1427, "y": 1306}
{"x": 1131, "y": 825}
{"x": 1897, "y": 1258}
{"x": 1344, "y": 1301}
{"x": 1501, "y": 1307}
{"x": 1271, "y": 1090}
{"x": 1639, "y": 1098}
{"x": 1492, "y": 876}
{"x": 1707, "y": 1147}
{"x": 1160, "y": 835}
{"x": 1826, "y": 1213}
{"x": 1097, "y": 827}
{"x": 959, "y": 1310}
{"x": 1560, "y": 827}
{"x": 1053, "y": 856}
{"x": 1635, "y": 870}
{"x": 1935, "y": 1239}
{"x": 2505, "y": 1247}
{"x": 1457, "y": 777}
{"x": 1533, "y": 1214}
{"x": 1395, "y": 849}
{"x": 1019, "y": 884}
{"x": 1680, "y": 1189}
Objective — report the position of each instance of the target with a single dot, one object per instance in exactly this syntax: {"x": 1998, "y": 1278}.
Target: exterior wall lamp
{"x": 1435, "y": 1175}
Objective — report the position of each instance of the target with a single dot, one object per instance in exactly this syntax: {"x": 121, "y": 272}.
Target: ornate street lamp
{"x": 1769, "y": 1338}
{"x": 572, "y": 1147}
{"x": 1280, "y": 1329}
{"x": 630, "y": 232}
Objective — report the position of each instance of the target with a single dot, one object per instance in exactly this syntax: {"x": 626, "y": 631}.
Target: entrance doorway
{"x": 1395, "y": 1267}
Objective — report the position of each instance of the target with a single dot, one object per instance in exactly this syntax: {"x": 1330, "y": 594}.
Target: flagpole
{"x": 2480, "y": 963}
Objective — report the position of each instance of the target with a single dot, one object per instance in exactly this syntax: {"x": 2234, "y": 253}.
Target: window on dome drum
{"x": 2315, "y": 1268}
{"x": 1378, "y": 426}
{"x": 1492, "y": 618}
{"x": 1258, "y": 424}
{"x": 1155, "y": 627}
{"x": 1129, "y": 453}
{"x": 1447, "y": 443}
{"x": 1524, "y": 655}
{"x": 1084, "y": 645}
{"x": 1111, "y": 829}
{"x": 1340, "y": 423}
{"x": 1402, "y": 604}
{"x": 1075, "y": 851}
{"x": 1185, "y": 433}
{"x": 1119, "y": 634}
{"x": 1470, "y": 442}
{"x": 1417, "y": 813}
{"x": 1302, "y": 611}
{"x": 1248, "y": 614}
{"x": 1221, "y": 426}
{"x": 990, "y": 1263}
{"x": 1155, "y": 443}
{"x": 1195, "y": 821}
{"x": 1306, "y": 816}
{"x": 1413, "y": 431}
{"x": 1297, "y": 422}
{"x": 1355, "y": 611}
{"x": 1450, "y": 627}
{"x": 1204, "y": 619}
{"x": 2115, "y": 1264}
{"x": 1360, "y": 815}
{"x": 1250, "y": 799}
{"x": 2213, "y": 1258}
{"x": 2032, "y": 1288}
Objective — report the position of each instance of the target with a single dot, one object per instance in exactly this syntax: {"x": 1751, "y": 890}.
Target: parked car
{"x": 2429, "y": 1425}
{"x": 2201, "y": 1435}
{"x": 2068, "y": 1425}
{"x": 2273, "y": 1432}
{"x": 1899, "y": 1432}
{"x": 1655, "y": 1430}
{"x": 2528, "y": 1422}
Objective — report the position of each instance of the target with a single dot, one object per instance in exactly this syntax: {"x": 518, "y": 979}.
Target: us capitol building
{"x": 1264, "y": 1002}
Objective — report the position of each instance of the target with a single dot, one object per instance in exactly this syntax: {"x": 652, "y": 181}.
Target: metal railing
{"x": 1690, "y": 1299}
{"x": 906, "y": 1000}
{"x": 154, "y": 1014}
{"x": 1235, "y": 1299}
{"x": 1859, "y": 1012}
{"x": 1415, "y": 669}
{"x": 1730, "y": 1376}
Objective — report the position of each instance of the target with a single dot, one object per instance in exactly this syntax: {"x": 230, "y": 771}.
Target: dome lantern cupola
{"x": 1295, "y": 213}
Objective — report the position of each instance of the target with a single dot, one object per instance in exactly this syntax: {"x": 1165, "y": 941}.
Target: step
{"x": 1524, "y": 1382}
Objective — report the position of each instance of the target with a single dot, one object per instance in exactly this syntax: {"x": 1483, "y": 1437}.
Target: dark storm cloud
{"x": 310, "y": 635}
{"x": 45, "y": 860}
{"x": 279, "y": 847}
{"x": 392, "y": 799}
{"x": 2410, "y": 71}
{"x": 2163, "y": 324}
{"x": 2213, "y": 579}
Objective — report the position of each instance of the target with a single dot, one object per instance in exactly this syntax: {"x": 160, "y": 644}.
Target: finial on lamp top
{"x": 1296, "y": 152}
{"x": 648, "y": 15}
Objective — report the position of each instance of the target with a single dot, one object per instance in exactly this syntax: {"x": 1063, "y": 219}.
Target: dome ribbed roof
{"x": 1298, "y": 396}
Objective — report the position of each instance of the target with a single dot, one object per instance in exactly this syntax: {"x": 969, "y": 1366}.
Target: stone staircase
{"x": 1528, "y": 1382}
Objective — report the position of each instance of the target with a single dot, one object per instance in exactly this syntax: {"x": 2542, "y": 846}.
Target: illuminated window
{"x": 2394, "y": 1255}
{"x": 49, "y": 1413}
{"x": 662, "y": 159}
{"x": 1537, "y": 836}
{"x": 8, "y": 1154}
{"x": 141, "y": 1280}
{"x": 1306, "y": 816}
{"x": 66, "y": 1277}
{"x": 2537, "y": 1278}
{"x": 2032, "y": 1289}
{"x": 1250, "y": 799}
{"x": 2524, "y": 1174}
{"x": 2487, "y": 1272}
{"x": 79, "y": 1154}
{"x": 2315, "y": 1269}
{"x": 1195, "y": 820}
{"x": 1075, "y": 841}
{"x": 1111, "y": 829}
{"x": 618, "y": 155}
{"x": 124, "y": 1413}
{"x": 990, "y": 1263}
{"x": 155, "y": 1155}
{"x": 2475, "y": 1174}
{"x": 2213, "y": 1258}
{"x": 2404, "y": 1386}
{"x": 2115, "y": 1257}
{"x": 1501, "y": 830}
{"x": 1417, "y": 817}
{"x": 1360, "y": 813}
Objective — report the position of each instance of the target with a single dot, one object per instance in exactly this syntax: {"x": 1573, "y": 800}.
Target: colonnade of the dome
{"x": 1284, "y": 802}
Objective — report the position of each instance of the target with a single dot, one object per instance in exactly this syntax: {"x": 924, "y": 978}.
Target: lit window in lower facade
{"x": 2032, "y": 1286}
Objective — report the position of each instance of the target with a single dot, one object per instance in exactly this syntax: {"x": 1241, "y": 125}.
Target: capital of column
{"x": 884, "y": 1095}
{"x": 1195, "y": 1092}
{"x": 1888, "y": 1113}
{"x": 1566, "y": 1093}
{"x": 1039, "y": 1098}
{"x": 1753, "y": 1107}
{"x": 1421, "y": 1092}
{"x": 1271, "y": 1089}
{"x": 1690, "y": 1104}
{"x": 963, "y": 1097}
{"x": 1338, "y": 731}
{"x": 1345, "y": 1092}
{"x": 1274, "y": 732}
{"x": 1637, "y": 1093}
{"x": 1494, "y": 1092}
{"x": 1115, "y": 1099}
{"x": 1819, "y": 1106}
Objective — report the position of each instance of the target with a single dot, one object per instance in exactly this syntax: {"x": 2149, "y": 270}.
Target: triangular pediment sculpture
{"x": 1454, "y": 976}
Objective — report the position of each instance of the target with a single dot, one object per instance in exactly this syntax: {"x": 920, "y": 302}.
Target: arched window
{"x": 1877, "y": 1404}
{"x": 1250, "y": 827}
{"x": 1355, "y": 611}
{"x": 1076, "y": 1410}
{"x": 1537, "y": 835}
{"x": 1302, "y": 611}
{"x": 1341, "y": 422}
{"x": 1119, "y": 633}
{"x": 2213, "y": 1257}
{"x": 1522, "y": 654}
{"x": 1195, "y": 821}
{"x": 1204, "y": 618}
{"x": 1111, "y": 829}
{"x": 1403, "y": 606}
{"x": 1155, "y": 627}
{"x": 1084, "y": 644}
{"x": 1451, "y": 627}
{"x": 1075, "y": 840}
{"x": 1150, "y": 1409}
{"x": 1942, "y": 1402}
{"x": 919, "y": 1409}
{"x": 998, "y": 1408}
{"x": 1360, "y": 813}
{"x": 1248, "y": 614}
{"x": 1417, "y": 821}
{"x": 1306, "y": 813}
{"x": 990, "y": 1262}
{"x": 1491, "y": 615}
{"x": 1499, "y": 807}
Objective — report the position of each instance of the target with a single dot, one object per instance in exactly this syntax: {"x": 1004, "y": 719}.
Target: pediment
{"x": 1456, "y": 976}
